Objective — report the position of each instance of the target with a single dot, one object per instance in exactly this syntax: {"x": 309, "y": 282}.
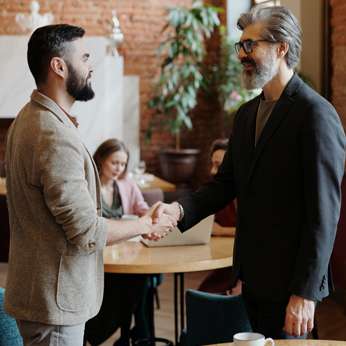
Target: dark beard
{"x": 77, "y": 88}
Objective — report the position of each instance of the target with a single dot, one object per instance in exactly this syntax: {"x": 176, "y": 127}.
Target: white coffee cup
{"x": 251, "y": 339}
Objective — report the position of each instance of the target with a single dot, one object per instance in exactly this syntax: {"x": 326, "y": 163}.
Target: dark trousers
{"x": 267, "y": 317}
{"x": 124, "y": 294}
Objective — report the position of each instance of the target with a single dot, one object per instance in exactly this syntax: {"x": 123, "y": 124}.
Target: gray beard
{"x": 261, "y": 75}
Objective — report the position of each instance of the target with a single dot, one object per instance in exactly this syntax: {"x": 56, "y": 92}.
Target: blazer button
{"x": 91, "y": 244}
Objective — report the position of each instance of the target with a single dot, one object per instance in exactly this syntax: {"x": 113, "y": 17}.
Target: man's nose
{"x": 241, "y": 53}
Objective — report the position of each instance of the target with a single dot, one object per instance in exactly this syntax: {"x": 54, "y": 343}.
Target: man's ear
{"x": 59, "y": 66}
{"x": 283, "y": 49}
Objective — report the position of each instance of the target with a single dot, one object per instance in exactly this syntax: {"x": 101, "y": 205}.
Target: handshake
{"x": 159, "y": 220}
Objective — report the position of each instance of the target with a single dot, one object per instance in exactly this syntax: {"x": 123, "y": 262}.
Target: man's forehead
{"x": 76, "y": 47}
{"x": 78, "y": 44}
{"x": 253, "y": 31}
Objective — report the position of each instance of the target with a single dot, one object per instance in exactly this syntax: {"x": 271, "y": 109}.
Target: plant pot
{"x": 178, "y": 166}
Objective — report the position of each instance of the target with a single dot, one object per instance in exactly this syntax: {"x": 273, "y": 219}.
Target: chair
{"x": 153, "y": 195}
{"x": 9, "y": 333}
{"x": 213, "y": 318}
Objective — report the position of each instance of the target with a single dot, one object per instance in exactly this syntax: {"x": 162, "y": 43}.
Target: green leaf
{"x": 182, "y": 54}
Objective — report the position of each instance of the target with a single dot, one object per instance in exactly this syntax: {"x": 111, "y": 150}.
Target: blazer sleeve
{"x": 65, "y": 188}
{"x": 323, "y": 159}
{"x": 211, "y": 197}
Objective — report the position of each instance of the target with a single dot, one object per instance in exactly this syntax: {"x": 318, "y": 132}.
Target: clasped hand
{"x": 158, "y": 222}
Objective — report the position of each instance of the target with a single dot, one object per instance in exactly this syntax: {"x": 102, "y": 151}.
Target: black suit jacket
{"x": 288, "y": 192}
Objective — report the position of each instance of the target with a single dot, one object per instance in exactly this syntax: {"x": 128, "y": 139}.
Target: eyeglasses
{"x": 248, "y": 45}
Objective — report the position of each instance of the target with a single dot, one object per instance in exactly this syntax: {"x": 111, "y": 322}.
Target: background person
{"x": 124, "y": 295}
{"x": 218, "y": 280}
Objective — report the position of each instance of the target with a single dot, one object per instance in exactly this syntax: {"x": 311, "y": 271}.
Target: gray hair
{"x": 280, "y": 25}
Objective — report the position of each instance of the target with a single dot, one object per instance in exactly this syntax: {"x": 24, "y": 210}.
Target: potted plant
{"x": 175, "y": 93}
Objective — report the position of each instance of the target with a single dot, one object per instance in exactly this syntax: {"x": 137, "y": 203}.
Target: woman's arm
{"x": 220, "y": 231}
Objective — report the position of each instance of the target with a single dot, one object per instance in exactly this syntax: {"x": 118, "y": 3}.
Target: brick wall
{"x": 338, "y": 43}
{"x": 141, "y": 22}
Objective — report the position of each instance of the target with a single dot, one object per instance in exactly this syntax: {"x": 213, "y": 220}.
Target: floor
{"x": 331, "y": 314}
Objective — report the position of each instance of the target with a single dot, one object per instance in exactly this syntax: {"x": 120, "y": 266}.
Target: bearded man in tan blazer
{"x": 55, "y": 278}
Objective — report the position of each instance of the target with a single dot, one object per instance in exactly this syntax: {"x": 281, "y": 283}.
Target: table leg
{"x": 179, "y": 304}
{"x": 182, "y": 302}
{"x": 176, "y": 308}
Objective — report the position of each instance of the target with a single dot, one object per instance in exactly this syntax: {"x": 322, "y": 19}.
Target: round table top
{"x": 135, "y": 258}
{"x": 300, "y": 343}
{"x": 154, "y": 183}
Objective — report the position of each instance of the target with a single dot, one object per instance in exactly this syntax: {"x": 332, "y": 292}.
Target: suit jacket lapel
{"x": 279, "y": 113}
{"x": 251, "y": 125}
{"x": 49, "y": 104}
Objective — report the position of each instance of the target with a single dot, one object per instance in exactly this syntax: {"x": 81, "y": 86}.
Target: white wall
{"x": 114, "y": 112}
{"x": 234, "y": 9}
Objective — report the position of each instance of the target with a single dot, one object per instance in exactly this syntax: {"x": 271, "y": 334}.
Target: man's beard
{"x": 78, "y": 88}
{"x": 261, "y": 74}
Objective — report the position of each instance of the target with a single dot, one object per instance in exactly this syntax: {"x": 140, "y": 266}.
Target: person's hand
{"x": 236, "y": 290}
{"x": 171, "y": 209}
{"x": 221, "y": 231}
{"x": 299, "y": 316}
{"x": 157, "y": 224}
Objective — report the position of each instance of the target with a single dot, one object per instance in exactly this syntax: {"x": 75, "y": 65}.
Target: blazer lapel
{"x": 279, "y": 113}
{"x": 49, "y": 104}
{"x": 58, "y": 112}
{"x": 251, "y": 125}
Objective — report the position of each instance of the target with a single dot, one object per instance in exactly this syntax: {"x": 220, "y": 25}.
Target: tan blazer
{"x": 57, "y": 234}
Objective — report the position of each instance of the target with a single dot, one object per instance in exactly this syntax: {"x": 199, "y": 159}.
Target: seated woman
{"x": 218, "y": 281}
{"x": 123, "y": 294}
{"x": 225, "y": 219}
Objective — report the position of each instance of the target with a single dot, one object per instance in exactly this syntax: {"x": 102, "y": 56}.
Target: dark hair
{"x": 219, "y": 144}
{"x": 107, "y": 148}
{"x": 280, "y": 25}
{"x": 47, "y": 42}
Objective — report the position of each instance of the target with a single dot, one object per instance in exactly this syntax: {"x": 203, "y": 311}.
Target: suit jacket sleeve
{"x": 61, "y": 170}
{"x": 323, "y": 158}
{"x": 211, "y": 197}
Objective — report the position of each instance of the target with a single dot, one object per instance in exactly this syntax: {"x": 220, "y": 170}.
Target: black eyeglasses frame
{"x": 248, "y": 45}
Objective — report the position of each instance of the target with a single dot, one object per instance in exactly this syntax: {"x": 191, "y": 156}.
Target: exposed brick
{"x": 141, "y": 22}
{"x": 338, "y": 40}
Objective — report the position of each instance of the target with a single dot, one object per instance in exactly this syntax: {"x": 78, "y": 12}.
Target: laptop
{"x": 196, "y": 235}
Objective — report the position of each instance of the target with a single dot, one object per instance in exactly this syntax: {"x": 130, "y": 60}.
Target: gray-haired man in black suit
{"x": 284, "y": 164}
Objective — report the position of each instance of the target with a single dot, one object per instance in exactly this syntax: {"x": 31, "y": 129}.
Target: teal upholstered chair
{"x": 213, "y": 318}
{"x": 9, "y": 333}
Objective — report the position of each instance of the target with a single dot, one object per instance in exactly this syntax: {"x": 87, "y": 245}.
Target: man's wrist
{"x": 144, "y": 224}
{"x": 180, "y": 211}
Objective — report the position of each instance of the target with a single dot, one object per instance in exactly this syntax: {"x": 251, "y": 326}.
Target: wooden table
{"x": 300, "y": 343}
{"x": 135, "y": 258}
{"x": 157, "y": 182}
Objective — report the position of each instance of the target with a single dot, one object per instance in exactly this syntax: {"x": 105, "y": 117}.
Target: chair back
{"x": 9, "y": 333}
{"x": 213, "y": 318}
{"x": 153, "y": 195}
